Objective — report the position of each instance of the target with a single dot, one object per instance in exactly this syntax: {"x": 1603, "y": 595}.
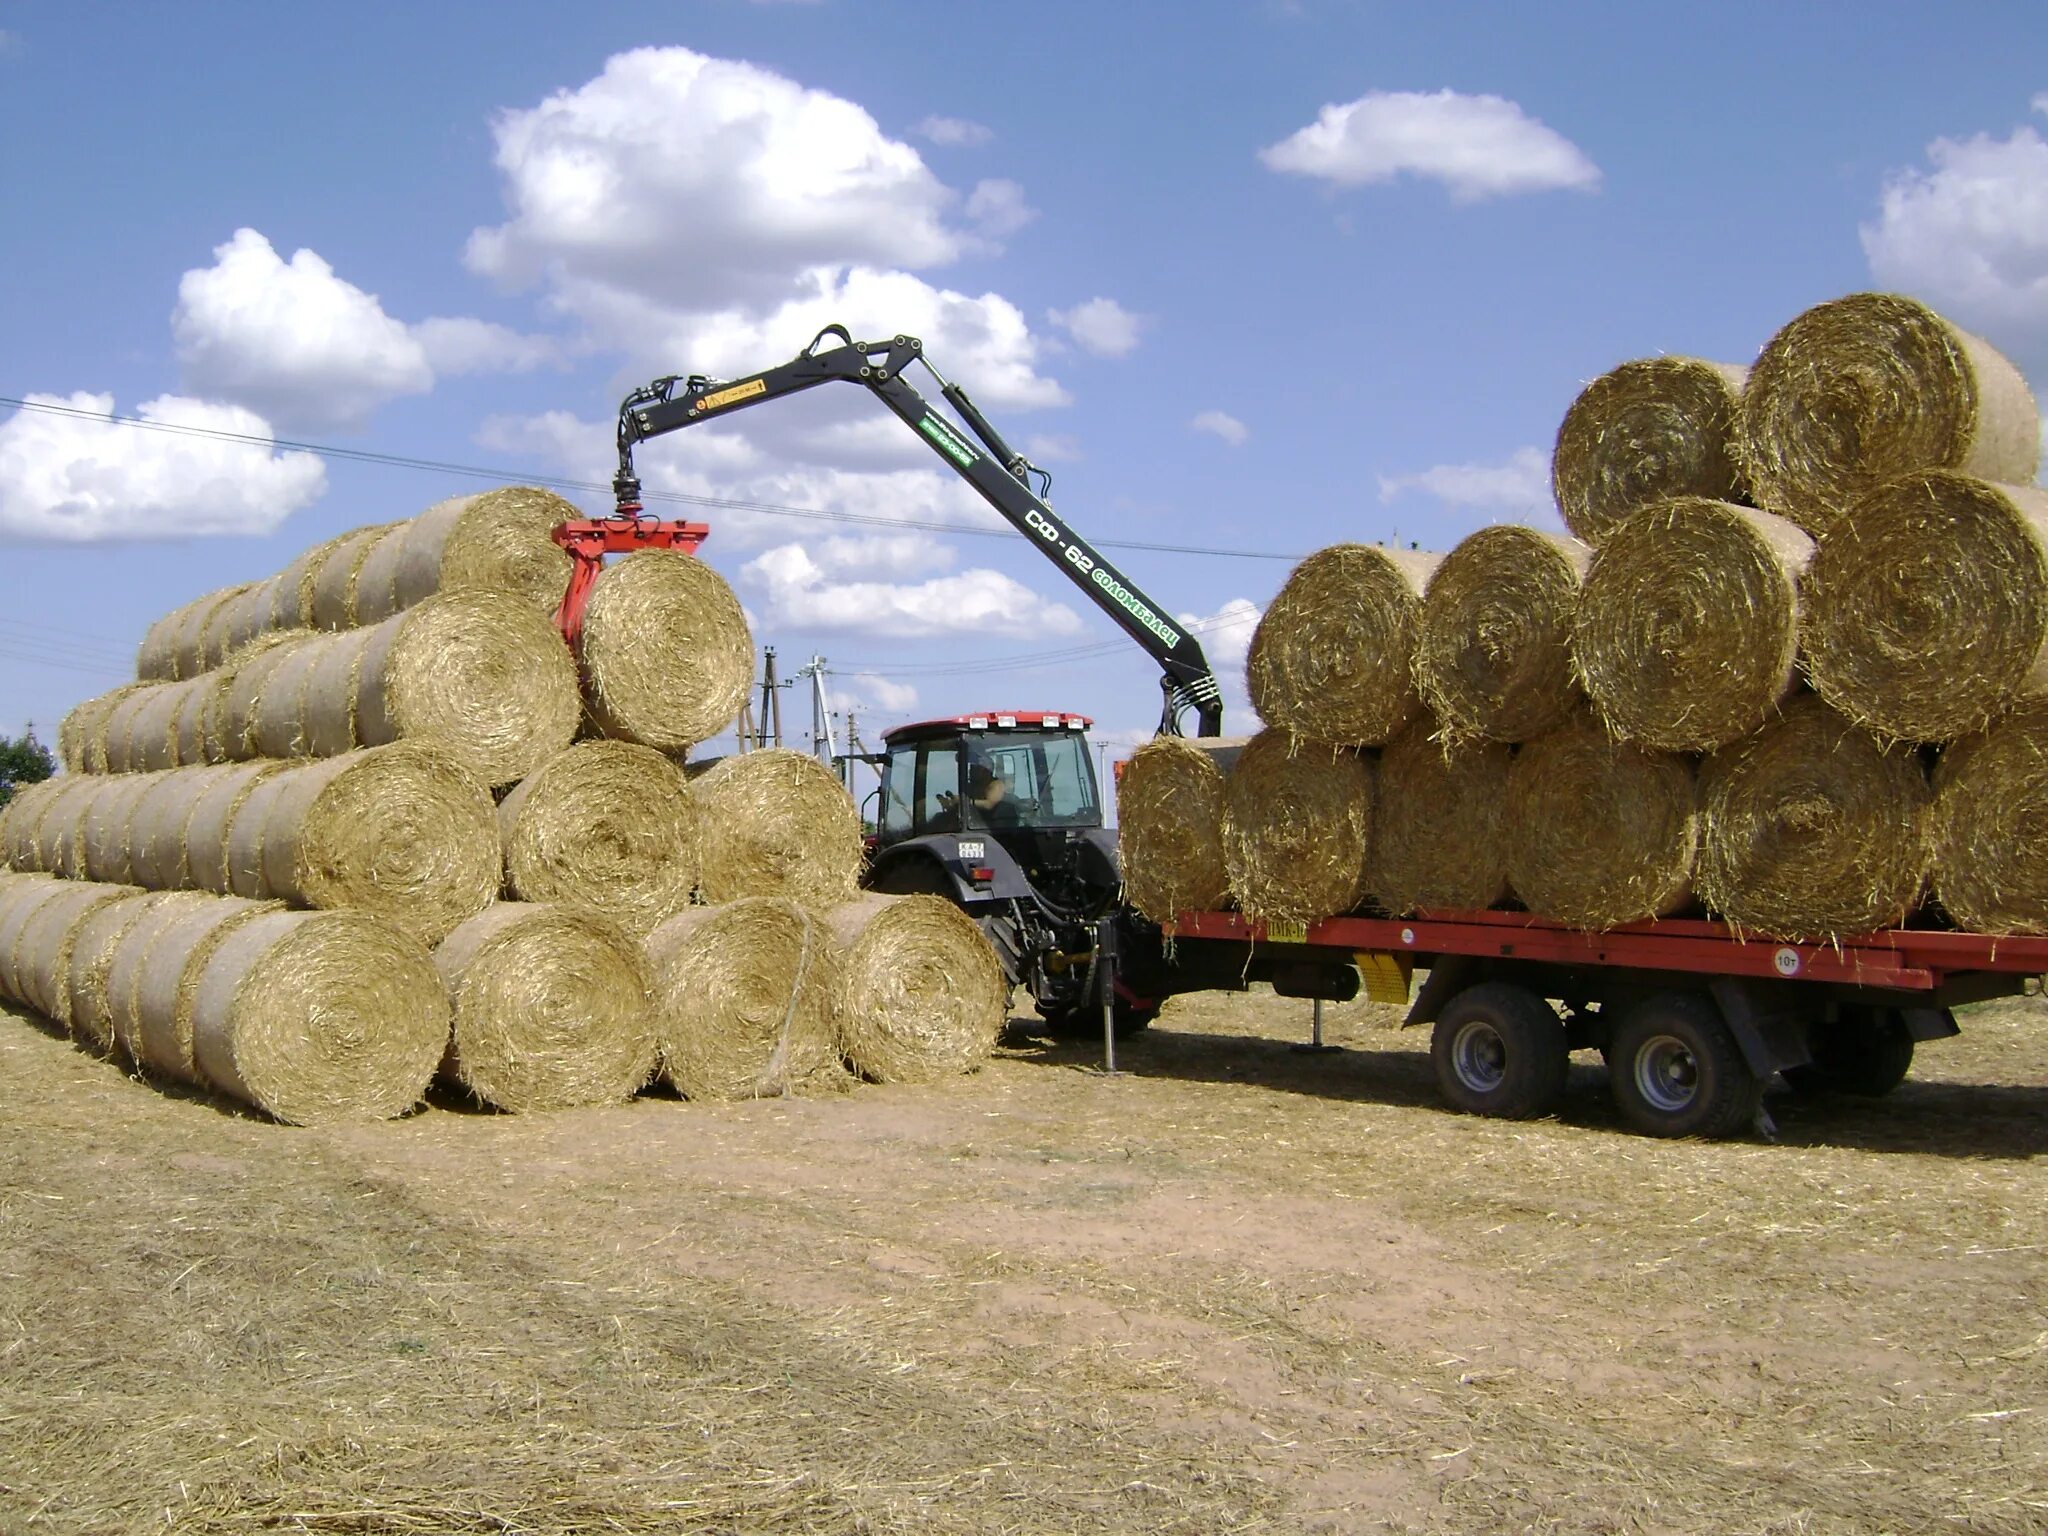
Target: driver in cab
{"x": 990, "y": 794}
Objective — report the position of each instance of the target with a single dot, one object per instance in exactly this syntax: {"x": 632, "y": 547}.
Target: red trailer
{"x": 1692, "y": 1016}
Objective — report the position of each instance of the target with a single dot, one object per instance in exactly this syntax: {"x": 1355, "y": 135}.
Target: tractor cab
{"x": 1010, "y": 774}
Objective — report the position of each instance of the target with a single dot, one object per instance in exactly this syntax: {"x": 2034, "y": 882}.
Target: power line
{"x": 562, "y": 483}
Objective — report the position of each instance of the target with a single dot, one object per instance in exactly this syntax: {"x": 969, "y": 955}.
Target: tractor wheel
{"x": 1677, "y": 1071}
{"x": 1866, "y": 1052}
{"x": 1499, "y": 1050}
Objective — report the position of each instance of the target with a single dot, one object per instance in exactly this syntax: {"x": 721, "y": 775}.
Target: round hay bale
{"x": 157, "y": 828}
{"x": 245, "y": 690}
{"x": 1599, "y": 832}
{"x": 224, "y": 736}
{"x": 400, "y": 831}
{"x": 278, "y": 722}
{"x": 1332, "y": 657}
{"x": 604, "y": 824}
{"x": 20, "y": 817}
{"x": 1169, "y": 813}
{"x": 1927, "y": 611}
{"x": 332, "y": 688}
{"x": 551, "y": 1008}
{"x": 334, "y": 581}
{"x": 128, "y": 958}
{"x": 746, "y": 999}
{"x": 483, "y": 673}
{"x": 1655, "y": 427}
{"x": 319, "y": 1018}
{"x": 921, "y": 994}
{"x": 1810, "y": 830}
{"x": 108, "y": 847}
{"x": 666, "y": 651}
{"x": 209, "y": 819}
{"x": 42, "y": 952}
{"x": 136, "y": 734}
{"x": 154, "y": 659}
{"x": 1860, "y": 390}
{"x": 200, "y": 631}
{"x": 81, "y": 736}
{"x": 60, "y": 830}
{"x": 1988, "y": 831}
{"x": 166, "y": 983}
{"x": 92, "y": 954}
{"x": 20, "y": 896}
{"x": 1687, "y": 635}
{"x": 1493, "y": 650}
{"x": 1297, "y": 819}
{"x": 776, "y": 823}
{"x": 1438, "y": 838}
{"x": 291, "y": 600}
{"x": 248, "y": 617}
{"x": 499, "y": 541}
{"x": 216, "y": 634}
{"x": 188, "y": 726}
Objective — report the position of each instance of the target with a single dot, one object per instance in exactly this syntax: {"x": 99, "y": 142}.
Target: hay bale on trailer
{"x": 1988, "y": 832}
{"x": 921, "y": 993}
{"x": 776, "y": 823}
{"x": 747, "y": 999}
{"x": 1600, "y": 832}
{"x": 499, "y": 541}
{"x": 605, "y": 824}
{"x": 1437, "y": 824}
{"x": 1332, "y": 657}
{"x": 666, "y": 652}
{"x": 1652, "y": 428}
{"x": 1811, "y": 830}
{"x": 1493, "y": 649}
{"x": 1297, "y": 819}
{"x": 551, "y": 1007}
{"x": 1687, "y": 635}
{"x": 1858, "y": 391}
{"x": 1927, "y": 609}
{"x": 1169, "y": 811}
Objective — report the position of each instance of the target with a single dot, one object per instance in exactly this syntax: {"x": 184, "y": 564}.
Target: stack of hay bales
{"x": 1799, "y": 586}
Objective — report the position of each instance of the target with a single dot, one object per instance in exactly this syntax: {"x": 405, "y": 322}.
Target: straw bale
{"x": 746, "y": 1000}
{"x": 605, "y": 824}
{"x": 108, "y": 834}
{"x": 1438, "y": 838}
{"x": 41, "y": 961}
{"x": 244, "y": 689}
{"x": 1332, "y": 657}
{"x": 195, "y": 643}
{"x": 291, "y": 600}
{"x": 334, "y": 580}
{"x": 1297, "y": 819}
{"x": 208, "y": 822}
{"x": 1927, "y": 611}
{"x": 137, "y": 732}
{"x": 499, "y": 540}
{"x": 1169, "y": 812}
{"x": 1652, "y": 428}
{"x": 22, "y": 814}
{"x": 551, "y": 1007}
{"x": 157, "y": 858}
{"x": 922, "y": 995}
{"x": 92, "y": 955}
{"x": 1687, "y": 635}
{"x": 776, "y": 823}
{"x": 248, "y": 617}
{"x": 1857, "y": 391}
{"x": 1988, "y": 831}
{"x": 1810, "y": 829}
{"x": 278, "y": 724}
{"x": 60, "y": 830}
{"x": 401, "y": 831}
{"x": 1599, "y": 832}
{"x": 216, "y": 633}
{"x": 20, "y": 896}
{"x": 82, "y": 735}
{"x": 166, "y": 981}
{"x": 1493, "y": 650}
{"x": 153, "y": 659}
{"x": 666, "y": 651}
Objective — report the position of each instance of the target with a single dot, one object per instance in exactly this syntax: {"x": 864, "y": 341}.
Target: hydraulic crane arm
{"x": 997, "y": 471}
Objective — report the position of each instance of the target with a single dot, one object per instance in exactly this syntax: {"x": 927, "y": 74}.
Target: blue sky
{"x": 1252, "y": 277}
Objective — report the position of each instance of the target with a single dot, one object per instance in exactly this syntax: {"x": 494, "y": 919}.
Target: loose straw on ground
{"x": 1493, "y": 649}
{"x": 921, "y": 994}
{"x": 1297, "y": 817}
{"x": 1687, "y": 635}
{"x": 1169, "y": 805}
{"x": 1857, "y": 391}
{"x": 746, "y": 1000}
{"x": 776, "y": 823}
{"x": 1331, "y": 659}
{"x": 666, "y": 651}
{"x": 1599, "y": 832}
{"x": 1437, "y": 830}
{"x": 606, "y": 824}
{"x": 1809, "y": 829}
{"x": 1989, "y": 827}
{"x": 551, "y": 1007}
{"x": 1927, "y": 611}
{"x": 1652, "y": 428}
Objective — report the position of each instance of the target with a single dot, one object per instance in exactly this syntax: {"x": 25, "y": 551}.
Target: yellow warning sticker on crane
{"x": 1386, "y": 977}
{"x": 738, "y": 392}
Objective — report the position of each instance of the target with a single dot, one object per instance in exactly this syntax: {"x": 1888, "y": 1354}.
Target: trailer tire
{"x": 1677, "y": 1070}
{"x": 1499, "y": 1050}
{"x": 1866, "y": 1052}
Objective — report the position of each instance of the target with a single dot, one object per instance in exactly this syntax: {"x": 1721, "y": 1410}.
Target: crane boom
{"x": 998, "y": 472}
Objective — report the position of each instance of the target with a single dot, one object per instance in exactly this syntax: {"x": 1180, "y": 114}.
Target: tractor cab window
{"x": 938, "y": 788}
{"x": 899, "y": 795}
{"x": 1047, "y": 779}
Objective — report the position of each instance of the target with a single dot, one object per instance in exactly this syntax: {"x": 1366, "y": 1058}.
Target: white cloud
{"x": 76, "y": 479}
{"x": 872, "y": 694}
{"x": 997, "y": 208}
{"x": 463, "y": 345}
{"x": 1052, "y": 448}
{"x": 1101, "y": 326}
{"x": 1222, "y": 425}
{"x": 801, "y": 591}
{"x": 1520, "y": 486}
{"x": 1477, "y": 146}
{"x": 1969, "y": 234}
{"x": 954, "y": 132}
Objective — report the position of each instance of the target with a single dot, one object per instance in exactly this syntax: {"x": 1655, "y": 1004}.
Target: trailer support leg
{"x": 1315, "y": 1046}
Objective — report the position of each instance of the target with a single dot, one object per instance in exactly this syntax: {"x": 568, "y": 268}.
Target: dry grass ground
{"x": 1238, "y": 1289}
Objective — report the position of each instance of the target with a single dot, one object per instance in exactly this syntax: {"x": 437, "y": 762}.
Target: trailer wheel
{"x": 1677, "y": 1071}
{"x": 1866, "y": 1052}
{"x": 1499, "y": 1050}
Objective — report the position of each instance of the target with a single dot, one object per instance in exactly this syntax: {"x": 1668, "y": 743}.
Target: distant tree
{"x": 23, "y": 760}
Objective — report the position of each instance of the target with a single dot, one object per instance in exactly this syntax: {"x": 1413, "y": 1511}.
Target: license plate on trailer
{"x": 970, "y": 852}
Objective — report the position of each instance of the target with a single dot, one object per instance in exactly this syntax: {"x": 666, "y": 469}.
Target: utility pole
{"x": 771, "y": 701}
{"x": 821, "y": 713}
